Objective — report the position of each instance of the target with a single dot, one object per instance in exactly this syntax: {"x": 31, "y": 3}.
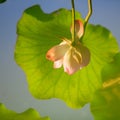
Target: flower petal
{"x": 79, "y": 28}
{"x": 71, "y": 61}
{"x": 58, "y": 63}
{"x": 57, "y": 52}
{"x": 85, "y": 53}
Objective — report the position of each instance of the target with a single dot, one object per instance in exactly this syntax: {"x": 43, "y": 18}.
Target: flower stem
{"x": 73, "y": 20}
{"x": 89, "y": 13}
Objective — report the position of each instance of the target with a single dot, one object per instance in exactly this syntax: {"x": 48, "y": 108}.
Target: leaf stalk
{"x": 73, "y": 21}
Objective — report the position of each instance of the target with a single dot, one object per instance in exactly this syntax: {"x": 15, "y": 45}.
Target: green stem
{"x": 89, "y": 13}
{"x": 73, "y": 20}
{"x": 111, "y": 83}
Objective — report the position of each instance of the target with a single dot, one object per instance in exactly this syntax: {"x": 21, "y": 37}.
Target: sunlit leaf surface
{"x": 37, "y": 33}
{"x": 29, "y": 114}
{"x": 106, "y": 102}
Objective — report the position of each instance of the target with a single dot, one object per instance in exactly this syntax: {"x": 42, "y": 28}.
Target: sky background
{"x": 13, "y": 86}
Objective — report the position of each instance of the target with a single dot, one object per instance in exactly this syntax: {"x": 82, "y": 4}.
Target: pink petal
{"x": 71, "y": 61}
{"x": 79, "y": 28}
{"x": 58, "y": 63}
{"x": 57, "y": 52}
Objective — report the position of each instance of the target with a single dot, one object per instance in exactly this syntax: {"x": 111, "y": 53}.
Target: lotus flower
{"x": 72, "y": 57}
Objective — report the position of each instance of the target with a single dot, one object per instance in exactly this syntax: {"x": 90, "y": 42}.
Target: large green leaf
{"x": 29, "y": 114}
{"x": 37, "y": 33}
{"x": 106, "y": 102}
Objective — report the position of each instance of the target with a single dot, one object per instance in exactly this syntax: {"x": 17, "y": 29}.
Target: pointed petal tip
{"x": 57, "y": 52}
{"x": 71, "y": 71}
{"x": 50, "y": 56}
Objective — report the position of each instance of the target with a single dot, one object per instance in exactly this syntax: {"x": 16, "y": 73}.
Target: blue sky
{"x": 13, "y": 86}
